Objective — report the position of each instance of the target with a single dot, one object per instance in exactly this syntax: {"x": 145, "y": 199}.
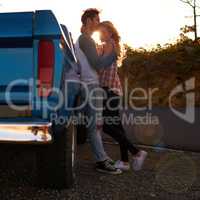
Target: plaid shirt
{"x": 110, "y": 78}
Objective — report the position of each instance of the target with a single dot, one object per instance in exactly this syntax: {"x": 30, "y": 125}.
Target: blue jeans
{"x": 70, "y": 92}
{"x": 93, "y": 110}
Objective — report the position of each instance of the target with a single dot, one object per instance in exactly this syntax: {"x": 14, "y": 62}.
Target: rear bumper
{"x": 37, "y": 132}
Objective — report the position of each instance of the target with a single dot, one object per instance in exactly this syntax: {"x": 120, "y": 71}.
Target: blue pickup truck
{"x": 35, "y": 53}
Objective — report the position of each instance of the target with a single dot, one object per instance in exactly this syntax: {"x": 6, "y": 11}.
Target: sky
{"x": 141, "y": 23}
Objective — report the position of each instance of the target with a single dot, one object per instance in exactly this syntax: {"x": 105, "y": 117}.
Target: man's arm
{"x": 88, "y": 47}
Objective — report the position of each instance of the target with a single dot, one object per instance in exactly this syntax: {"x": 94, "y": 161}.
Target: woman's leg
{"x": 133, "y": 150}
{"x": 117, "y": 136}
{"x": 115, "y": 128}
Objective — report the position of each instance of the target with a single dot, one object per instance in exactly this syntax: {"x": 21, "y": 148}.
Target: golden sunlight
{"x": 142, "y": 24}
{"x": 96, "y": 37}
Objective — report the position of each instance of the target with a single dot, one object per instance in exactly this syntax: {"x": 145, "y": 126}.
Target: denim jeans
{"x": 93, "y": 110}
{"x": 70, "y": 92}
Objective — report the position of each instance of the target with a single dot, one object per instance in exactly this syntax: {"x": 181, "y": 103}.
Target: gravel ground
{"x": 166, "y": 175}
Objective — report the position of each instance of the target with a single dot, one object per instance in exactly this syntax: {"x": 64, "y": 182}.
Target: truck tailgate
{"x": 16, "y": 56}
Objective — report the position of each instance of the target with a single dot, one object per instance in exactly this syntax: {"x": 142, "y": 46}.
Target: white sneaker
{"x": 120, "y": 165}
{"x": 138, "y": 161}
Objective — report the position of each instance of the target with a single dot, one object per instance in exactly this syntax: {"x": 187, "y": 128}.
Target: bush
{"x": 163, "y": 68}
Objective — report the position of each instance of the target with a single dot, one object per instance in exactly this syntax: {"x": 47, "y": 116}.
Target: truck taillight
{"x": 46, "y": 59}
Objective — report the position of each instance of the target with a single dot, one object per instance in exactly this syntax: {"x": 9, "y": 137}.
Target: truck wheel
{"x": 81, "y": 134}
{"x": 56, "y": 162}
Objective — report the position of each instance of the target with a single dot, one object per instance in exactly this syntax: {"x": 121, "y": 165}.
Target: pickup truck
{"x": 35, "y": 53}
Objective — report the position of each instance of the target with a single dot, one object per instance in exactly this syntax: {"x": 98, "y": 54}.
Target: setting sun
{"x": 140, "y": 23}
{"x": 96, "y": 37}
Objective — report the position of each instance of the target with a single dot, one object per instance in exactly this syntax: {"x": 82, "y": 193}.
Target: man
{"x": 90, "y": 62}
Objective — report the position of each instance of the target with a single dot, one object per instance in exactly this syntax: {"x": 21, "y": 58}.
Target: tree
{"x": 194, "y": 5}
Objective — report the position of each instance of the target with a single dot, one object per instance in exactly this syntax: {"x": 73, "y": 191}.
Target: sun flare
{"x": 141, "y": 24}
{"x": 96, "y": 37}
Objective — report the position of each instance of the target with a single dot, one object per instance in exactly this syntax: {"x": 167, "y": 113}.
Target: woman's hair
{"x": 114, "y": 35}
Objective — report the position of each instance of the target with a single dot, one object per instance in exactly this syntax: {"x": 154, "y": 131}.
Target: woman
{"x": 109, "y": 80}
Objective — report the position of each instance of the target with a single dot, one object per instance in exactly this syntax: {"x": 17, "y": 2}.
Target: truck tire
{"x": 81, "y": 134}
{"x": 56, "y": 162}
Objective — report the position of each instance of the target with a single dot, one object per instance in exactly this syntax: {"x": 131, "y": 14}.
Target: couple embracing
{"x": 98, "y": 70}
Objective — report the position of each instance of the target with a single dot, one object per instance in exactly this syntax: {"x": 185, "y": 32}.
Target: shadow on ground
{"x": 166, "y": 175}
